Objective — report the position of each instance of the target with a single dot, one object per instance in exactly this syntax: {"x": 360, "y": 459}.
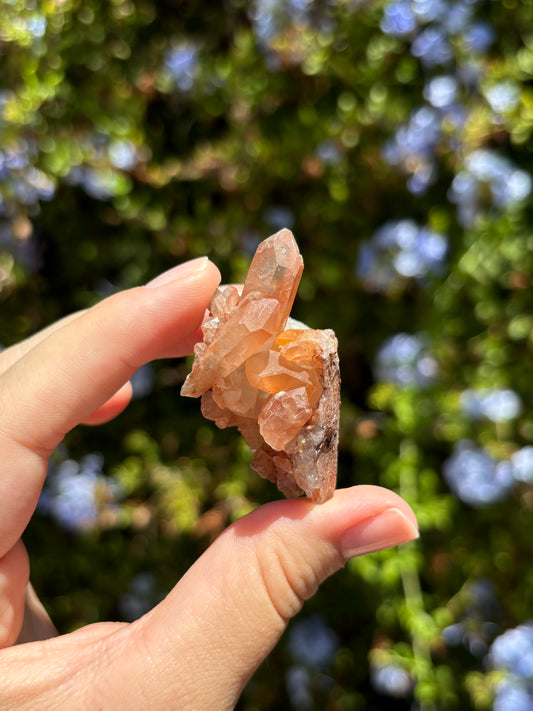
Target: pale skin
{"x": 196, "y": 649}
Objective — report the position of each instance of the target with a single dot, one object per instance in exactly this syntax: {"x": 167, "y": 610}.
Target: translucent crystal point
{"x": 278, "y": 385}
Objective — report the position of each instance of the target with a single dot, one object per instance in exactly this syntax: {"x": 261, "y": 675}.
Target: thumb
{"x": 225, "y": 615}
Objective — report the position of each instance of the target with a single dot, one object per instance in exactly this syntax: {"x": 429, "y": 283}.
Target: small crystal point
{"x": 279, "y": 387}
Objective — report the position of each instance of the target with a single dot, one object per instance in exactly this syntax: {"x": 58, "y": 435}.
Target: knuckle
{"x": 290, "y": 575}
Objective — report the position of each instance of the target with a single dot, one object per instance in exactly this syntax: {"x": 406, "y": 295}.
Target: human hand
{"x": 199, "y": 646}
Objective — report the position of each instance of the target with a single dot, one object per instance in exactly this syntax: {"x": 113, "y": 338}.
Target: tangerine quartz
{"x": 270, "y": 376}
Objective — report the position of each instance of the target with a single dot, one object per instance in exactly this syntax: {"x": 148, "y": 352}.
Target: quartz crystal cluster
{"x": 274, "y": 378}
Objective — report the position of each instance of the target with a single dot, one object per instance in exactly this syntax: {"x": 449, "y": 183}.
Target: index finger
{"x": 78, "y": 367}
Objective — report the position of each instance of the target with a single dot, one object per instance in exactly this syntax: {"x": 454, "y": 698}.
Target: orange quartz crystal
{"x": 273, "y": 378}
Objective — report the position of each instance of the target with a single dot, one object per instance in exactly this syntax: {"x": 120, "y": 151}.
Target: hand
{"x": 177, "y": 656}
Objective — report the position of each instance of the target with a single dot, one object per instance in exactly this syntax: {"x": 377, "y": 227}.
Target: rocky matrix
{"x": 272, "y": 377}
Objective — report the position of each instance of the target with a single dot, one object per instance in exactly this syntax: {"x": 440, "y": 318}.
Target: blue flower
{"x": 39, "y": 183}
{"x": 398, "y": 19}
{"x": 512, "y": 695}
{"x": 263, "y": 15}
{"x": 391, "y": 679}
{"x": 76, "y": 492}
{"x": 429, "y": 10}
{"x": 312, "y": 642}
{"x": 123, "y": 154}
{"x": 456, "y": 18}
{"x": 298, "y": 680}
{"x": 417, "y": 138}
{"x": 522, "y": 464}
{"x": 441, "y": 92}
{"x": 328, "y": 152}
{"x": 478, "y": 37}
{"x": 142, "y": 381}
{"x": 497, "y": 404}
{"x": 432, "y": 47}
{"x": 404, "y": 360}
{"x": 413, "y": 147}
{"x": 512, "y": 651}
{"x": 398, "y": 251}
{"x": 475, "y": 477}
{"x": 476, "y": 627}
{"x": 508, "y": 184}
{"x": 100, "y": 183}
{"x": 181, "y": 63}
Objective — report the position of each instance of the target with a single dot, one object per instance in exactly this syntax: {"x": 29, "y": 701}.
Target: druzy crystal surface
{"x": 274, "y": 378}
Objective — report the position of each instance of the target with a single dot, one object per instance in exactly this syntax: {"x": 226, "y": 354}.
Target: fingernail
{"x": 182, "y": 271}
{"x": 389, "y": 528}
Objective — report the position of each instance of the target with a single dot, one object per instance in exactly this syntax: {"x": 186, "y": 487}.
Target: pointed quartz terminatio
{"x": 272, "y": 377}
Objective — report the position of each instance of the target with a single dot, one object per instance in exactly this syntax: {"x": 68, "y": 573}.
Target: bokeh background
{"x": 394, "y": 138}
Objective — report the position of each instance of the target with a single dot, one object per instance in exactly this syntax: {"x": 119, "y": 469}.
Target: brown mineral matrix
{"x": 272, "y": 377}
